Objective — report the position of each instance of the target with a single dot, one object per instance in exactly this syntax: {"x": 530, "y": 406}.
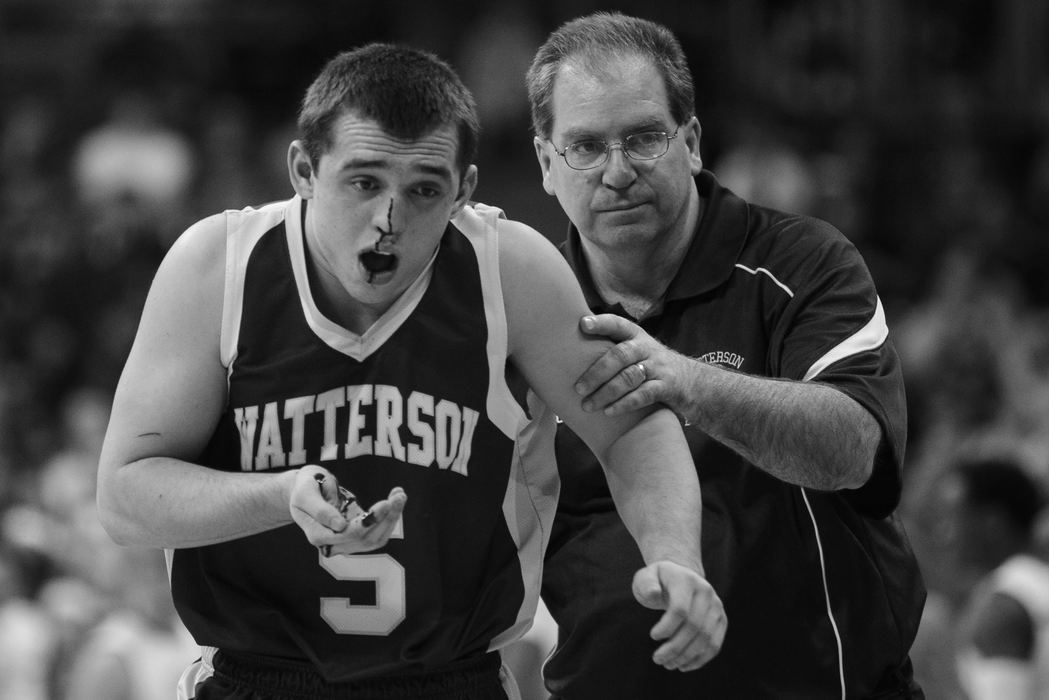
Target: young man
{"x": 763, "y": 332}
{"x": 379, "y": 334}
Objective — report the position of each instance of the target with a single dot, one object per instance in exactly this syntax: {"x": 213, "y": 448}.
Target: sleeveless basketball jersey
{"x": 421, "y": 400}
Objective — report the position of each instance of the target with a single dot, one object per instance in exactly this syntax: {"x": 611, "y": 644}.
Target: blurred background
{"x": 919, "y": 128}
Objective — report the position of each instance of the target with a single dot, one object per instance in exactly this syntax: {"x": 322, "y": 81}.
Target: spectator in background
{"x": 1003, "y": 628}
{"x": 139, "y": 648}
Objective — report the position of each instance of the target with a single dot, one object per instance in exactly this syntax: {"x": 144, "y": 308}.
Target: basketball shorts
{"x": 235, "y": 677}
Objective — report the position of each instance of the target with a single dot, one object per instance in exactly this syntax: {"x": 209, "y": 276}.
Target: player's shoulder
{"x": 196, "y": 261}
{"x": 519, "y": 245}
{"x": 203, "y": 240}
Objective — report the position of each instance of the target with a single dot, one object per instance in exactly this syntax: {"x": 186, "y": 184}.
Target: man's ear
{"x": 466, "y": 189}
{"x": 544, "y": 157}
{"x": 300, "y": 169}
{"x": 693, "y": 131}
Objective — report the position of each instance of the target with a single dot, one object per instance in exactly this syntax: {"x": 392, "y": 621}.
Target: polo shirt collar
{"x": 709, "y": 260}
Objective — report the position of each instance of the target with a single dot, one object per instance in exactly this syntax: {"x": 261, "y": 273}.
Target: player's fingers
{"x": 310, "y": 503}
{"x": 647, "y": 589}
{"x": 373, "y": 529}
{"x": 391, "y": 507}
{"x": 698, "y": 637}
{"x": 362, "y": 538}
{"x": 692, "y": 647}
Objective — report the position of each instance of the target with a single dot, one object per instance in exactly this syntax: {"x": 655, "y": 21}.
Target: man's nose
{"x": 384, "y": 216}
{"x": 619, "y": 169}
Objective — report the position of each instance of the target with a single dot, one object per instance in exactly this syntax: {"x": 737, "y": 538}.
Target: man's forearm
{"x": 656, "y": 490}
{"x": 804, "y": 433}
{"x": 163, "y": 502}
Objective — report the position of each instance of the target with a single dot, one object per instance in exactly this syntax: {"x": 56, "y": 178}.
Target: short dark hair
{"x": 1002, "y": 484}
{"x": 591, "y": 39}
{"x": 409, "y": 92}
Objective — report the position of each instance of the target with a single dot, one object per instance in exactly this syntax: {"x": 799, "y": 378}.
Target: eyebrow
{"x": 653, "y": 124}
{"x": 438, "y": 171}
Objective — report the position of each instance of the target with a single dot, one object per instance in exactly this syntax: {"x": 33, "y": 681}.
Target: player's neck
{"x": 338, "y": 305}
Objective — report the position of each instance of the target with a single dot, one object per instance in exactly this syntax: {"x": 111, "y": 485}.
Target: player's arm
{"x": 804, "y": 433}
{"x": 165, "y": 409}
{"x": 167, "y": 404}
{"x": 647, "y": 463}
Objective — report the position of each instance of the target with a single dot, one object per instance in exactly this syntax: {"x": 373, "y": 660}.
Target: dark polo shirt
{"x": 821, "y": 589}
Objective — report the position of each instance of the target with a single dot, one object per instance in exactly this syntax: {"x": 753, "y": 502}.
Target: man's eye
{"x": 587, "y": 148}
{"x": 646, "y": 139}
{"x": 365, "y": 185}
{"x": 427, "y": 192}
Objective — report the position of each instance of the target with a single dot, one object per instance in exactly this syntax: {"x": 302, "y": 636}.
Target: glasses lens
{"x": 646, "y": 145}
{"x": 585, "y": 154}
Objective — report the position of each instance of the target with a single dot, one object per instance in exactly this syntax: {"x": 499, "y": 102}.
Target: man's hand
{"x": 335, "y": 527}
{"x": 694, "y": 623}
{"x": 638, "y": 371}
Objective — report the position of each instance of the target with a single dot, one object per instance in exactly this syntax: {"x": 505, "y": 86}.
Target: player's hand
{"x": 638, "y": 371}
{"x": 331, "y": 519}
{"x": 694, "y": 622}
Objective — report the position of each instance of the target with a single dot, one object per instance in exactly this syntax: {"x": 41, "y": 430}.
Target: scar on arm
{"x": 149, "y": 435}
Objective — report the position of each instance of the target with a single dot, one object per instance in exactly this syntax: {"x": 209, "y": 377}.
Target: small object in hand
{"x": 368, "y": 520}
{"x": 348, "y": 505}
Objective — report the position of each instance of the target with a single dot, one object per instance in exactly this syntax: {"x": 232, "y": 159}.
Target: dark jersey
{"x": 421, "y": 400}
{"x": 821, "y": 590}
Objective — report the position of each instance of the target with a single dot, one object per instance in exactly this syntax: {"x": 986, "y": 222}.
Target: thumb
{"x": 615, "y": 328}
{"x": 647, "y": 588}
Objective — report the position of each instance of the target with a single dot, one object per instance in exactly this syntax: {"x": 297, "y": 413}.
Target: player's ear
{"x": 300, "y": 169}
{"x": 466, "y": 189}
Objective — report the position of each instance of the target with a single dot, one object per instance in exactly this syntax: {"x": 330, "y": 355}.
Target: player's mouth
{"x": 379, "y": 266}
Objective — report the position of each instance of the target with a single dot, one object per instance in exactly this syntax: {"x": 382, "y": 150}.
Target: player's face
{"x": 623, "y": 203}
{"x": 377, "y": 208}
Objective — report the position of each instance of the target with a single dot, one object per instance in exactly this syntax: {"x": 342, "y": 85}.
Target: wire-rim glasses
{"x": 587, "y": 154}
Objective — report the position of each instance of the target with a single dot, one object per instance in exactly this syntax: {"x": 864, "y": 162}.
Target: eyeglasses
{"x": 591, "y": 153}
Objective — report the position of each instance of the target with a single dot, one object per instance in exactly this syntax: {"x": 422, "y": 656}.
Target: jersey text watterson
{"x": 360, "y": 419}
{"x": 721, "y": 357}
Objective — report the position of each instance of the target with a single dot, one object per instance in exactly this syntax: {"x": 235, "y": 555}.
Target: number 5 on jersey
{"x": 380, "y": 619}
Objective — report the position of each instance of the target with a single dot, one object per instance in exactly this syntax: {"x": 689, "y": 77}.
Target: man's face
{"x": 378, "y": 206}
{"x": 623, "y": 203}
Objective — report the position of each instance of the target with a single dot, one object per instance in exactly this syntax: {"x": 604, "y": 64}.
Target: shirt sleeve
{"x": 834, "y": 331}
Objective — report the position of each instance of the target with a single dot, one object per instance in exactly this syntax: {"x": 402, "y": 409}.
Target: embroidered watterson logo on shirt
{"x": 723, "y": 357}
{"x": 357, "y": 420}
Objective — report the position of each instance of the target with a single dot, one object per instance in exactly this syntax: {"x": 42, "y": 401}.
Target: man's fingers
{"x": 615, "y": 328}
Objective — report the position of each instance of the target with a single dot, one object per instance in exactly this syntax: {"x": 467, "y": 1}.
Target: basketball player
{"x": 337, "y": 416}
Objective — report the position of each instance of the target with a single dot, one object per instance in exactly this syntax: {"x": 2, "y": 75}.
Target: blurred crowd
{"x": 123, "y": 122}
